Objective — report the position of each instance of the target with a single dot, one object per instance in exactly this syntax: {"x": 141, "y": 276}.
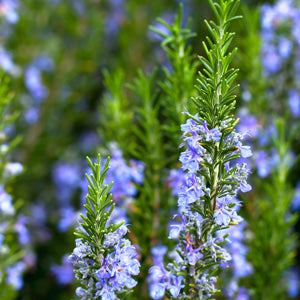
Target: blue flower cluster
{"x": 281, "y": 44}
{"x": 8, "y": 11}
{"x": 238, "y": 264}
{"x": 6, "y": 206}
{"x": 124, "y": 176}
{"x": 292, "y": 279}
{"x": 108, "y": 273}
{"x": 9, "y": 223}
{"x": 32, "y": 73}
{"x": 278, "y": 47}
{"x": 35, "y": 86}
{"x": 160, "y": 279}
{"x": 63, "y": 273}
{"x": 8, "y": 8}
{"x": 198, "y": 246}
{"x": 67, "y": 180}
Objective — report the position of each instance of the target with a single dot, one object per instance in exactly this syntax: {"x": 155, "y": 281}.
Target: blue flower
{"x": 296, "y": 200}
{"x": 176, "y": 181}
{"x": 157, "y": 291}
{"x": 32, "y": 114}
{"x": 271, "y": 61}
{"x": 293, "y": 281}
{"x": 6, "y": 61}
{"x": 193, "y": 255}
{"x": 192, "y": 192}
{"x": 123, "y": 176}
{"x": 158, "y": 254}
{"x": 176, "y": 285}
{"x": 285, "y": 47}
{"x": 24, "y": 236}
{"x": 1, "y": 239}
{"x": 262, "y": 164}
{"x": 249, "y": 124}
{"x": 9, "y": 9}
{"x": 242, "y": 294}
{"x": 12, "y": 169}
{"x": 189, "y": 160}
{"x": 6, "y": 205}
{"x": 14, "y": 275}
{"x": 68, "y": 218}
{"x": 63, "y": 273}
{"x": 294, "y": 102}
{"x": 213, "y": 134}
{"x": 66, "y": 178}
{"x": 245, "y": 187}
{"x": 106, "y": 293}
{"x": 34, "y": 84}
{"x": 175, "y": 231}
{"x": 112, "y": 272}
{"x": 227, "y": 211}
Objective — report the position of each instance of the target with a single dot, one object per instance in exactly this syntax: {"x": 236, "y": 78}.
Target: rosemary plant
{"x": 272, "y": 86}
{"x": 11, "y": 264}
{"x": 273, "y": 220}
{"x": 115, "y": 117}
{"x": 150, "y": 205}
{"x": 207, "y": 202}
{"x": 104, "y": 260}
{"x": 179, "y": 78}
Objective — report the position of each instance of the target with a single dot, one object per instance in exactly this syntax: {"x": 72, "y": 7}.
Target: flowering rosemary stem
{"x": 103, "y": 259}
{"x": 207, "y": 202}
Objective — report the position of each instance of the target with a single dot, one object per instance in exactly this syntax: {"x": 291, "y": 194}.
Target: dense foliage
{"x": 196, "y": 194}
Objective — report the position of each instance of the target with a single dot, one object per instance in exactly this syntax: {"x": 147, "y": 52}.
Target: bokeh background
{"x": 55, "y": 54}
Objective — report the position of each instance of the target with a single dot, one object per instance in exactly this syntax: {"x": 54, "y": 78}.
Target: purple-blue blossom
{"x": 176, "y": 181}
{"x": 6, "y": 206}
{"x": 112, "y": 273}
{"x": 191, "y": 192}
{"x": 32, "y": 114}
{"x": 262, "y": 163}
{"x": 1, "y": 239}
{"x": 271, "y": 60}
{"x": 248, "y": 123}
{"x": 115, "y": 18}
{"x": 295, "y": 205}
{"x": 239, "y": 265}
{"x": 68, "y": 218}
{"x": 12, "y": 169}
{"x": 34, "y": 84}
{"x": 226, "y": 211}
{"x": 124, "y": 177}
{"x": 33, "y": 77}
{"x": 8, "y": 8}
{"x": 189, "y": 185}
{"x": 24, "y": 235}
{"x": 285, "y": 47}
{"x": 160, "y": 279}
{"x": 6, "y": 61}
{"x": 294, "y": 102}
{"x": 280, "y": 34}
{"x": 66, "y": 178}
{"x": 14, "y": 275}
{"x": 64, "y": 272}
{"x": 292, "y": 278}
{"x": 243, "y": 294}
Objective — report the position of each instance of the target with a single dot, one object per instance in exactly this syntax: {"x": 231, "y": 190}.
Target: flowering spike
{"x": 103, "y": 259}
{"x": 207, "y": 198}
